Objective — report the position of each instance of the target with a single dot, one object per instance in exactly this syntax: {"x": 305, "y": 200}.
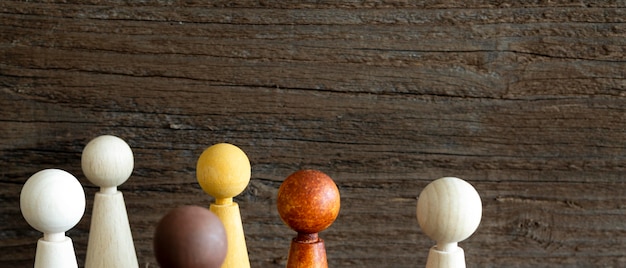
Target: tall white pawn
{"x": 448, "y": 211}
{"x": 107, "y": 161}
{"x": 53, "y": 201}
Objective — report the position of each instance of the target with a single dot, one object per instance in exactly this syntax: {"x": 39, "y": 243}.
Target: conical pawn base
{"x": 446, "y": 259}
{"x": 55, "y": 254}
{"x": 307, "y": 254}
{"x": 230, "y": 216}
{"x": 110, "y": 240}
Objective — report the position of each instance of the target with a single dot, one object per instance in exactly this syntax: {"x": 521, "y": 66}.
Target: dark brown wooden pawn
{"x": 190, "y": 237}
{"x": 308, "y": 202}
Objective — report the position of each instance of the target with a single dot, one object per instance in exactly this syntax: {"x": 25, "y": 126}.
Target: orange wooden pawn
{"x": 308, "y": 202}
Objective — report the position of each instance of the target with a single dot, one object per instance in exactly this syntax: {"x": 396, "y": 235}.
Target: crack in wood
{"x": 538, "y": 201}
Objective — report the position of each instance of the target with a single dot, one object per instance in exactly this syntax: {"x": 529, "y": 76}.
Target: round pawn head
{"x": 449, "y": 210}
{"x": 223, "y": 171}
{"x": 308, "y": 201}
{"x": 107, "y": 161}
{"x": 52, "y": 201}
{"x": 190, "y": 237}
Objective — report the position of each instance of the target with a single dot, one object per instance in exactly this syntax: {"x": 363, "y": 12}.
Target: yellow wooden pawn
{"x": 223, "y": 171}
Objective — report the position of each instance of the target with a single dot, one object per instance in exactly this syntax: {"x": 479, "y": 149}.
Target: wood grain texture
{"x": 526, "y": 101}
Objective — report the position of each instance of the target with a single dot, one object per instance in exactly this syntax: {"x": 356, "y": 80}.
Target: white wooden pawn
{"x": 107, "y": 161}
{"x": 53, "y": 201}
{"x": 448, "y": 211}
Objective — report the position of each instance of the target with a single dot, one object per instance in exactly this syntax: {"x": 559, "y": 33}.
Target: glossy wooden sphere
{"x": 308, "y": 201}
{"x": 223, "y": 170}
{"x": 190, "y": 237}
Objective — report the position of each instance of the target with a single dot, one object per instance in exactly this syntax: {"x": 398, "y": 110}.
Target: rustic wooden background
{"x": 525, "y": 101}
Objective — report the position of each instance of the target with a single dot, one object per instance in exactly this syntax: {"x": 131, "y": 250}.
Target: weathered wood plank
{"x": 525, "y": 100}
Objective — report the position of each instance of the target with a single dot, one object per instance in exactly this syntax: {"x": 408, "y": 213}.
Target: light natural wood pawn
{"x": 448, "y": 211}
{"x": 107, "y": 161}
{"x": 53, "y": 201}
{"x": 223, "y": 171}
{"x": 308, "y": 202}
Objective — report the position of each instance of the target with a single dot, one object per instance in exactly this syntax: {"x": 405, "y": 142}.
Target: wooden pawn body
{"x": 110, "y": 240}
{"x": 237, "y": 256}
{"x": 446, "y": 259}
{"x": 55, "y": 254}
{"x": 306, "y": 254}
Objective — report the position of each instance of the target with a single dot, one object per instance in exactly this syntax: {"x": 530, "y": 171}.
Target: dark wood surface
{"x": 525, "y": 101}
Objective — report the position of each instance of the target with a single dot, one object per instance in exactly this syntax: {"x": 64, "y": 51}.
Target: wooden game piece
{"x": 53, "y": 201}
{"x": 448, "y": 211}
{"x": 223, "y": 171}
{"x": 107, "y": 162}
{"x": 190, "y": 237}
{"x": 308, "y": 202}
